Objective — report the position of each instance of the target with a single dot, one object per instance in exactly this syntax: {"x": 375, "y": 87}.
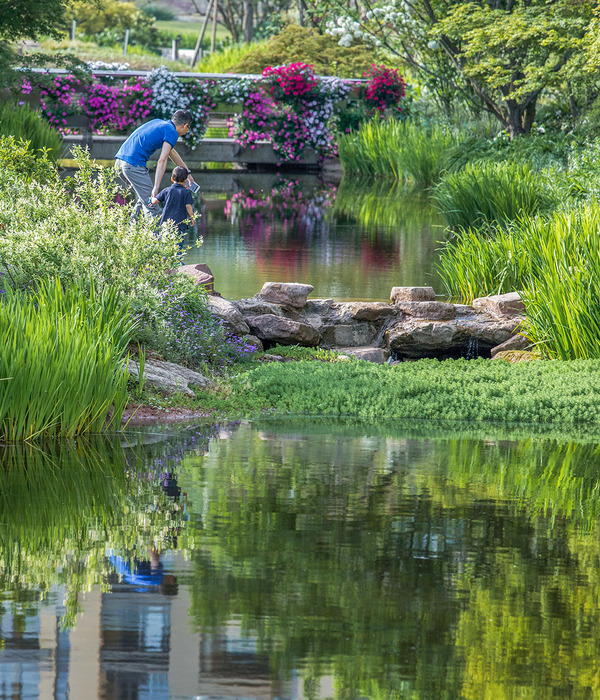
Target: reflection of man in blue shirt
{"x": 131, "y": 160}
{"x": 141, "y": 573}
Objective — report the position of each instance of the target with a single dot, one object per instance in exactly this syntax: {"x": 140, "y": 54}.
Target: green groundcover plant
{"x": 538, "y": 393}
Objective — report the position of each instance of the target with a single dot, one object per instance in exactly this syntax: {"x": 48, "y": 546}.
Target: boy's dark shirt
{"x": 175, "y": 198}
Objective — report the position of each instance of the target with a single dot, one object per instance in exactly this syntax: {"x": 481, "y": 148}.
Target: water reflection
{"x": 300, "y": 560}
{"x": 352, "y": 242}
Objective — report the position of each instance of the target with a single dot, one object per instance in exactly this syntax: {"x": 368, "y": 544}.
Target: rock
{"x": 431, "y": 310}
{"x": 253, "y": 340}
{"x": 169, "y": 377}
{"x": 514, "y": 356}
{"x": 369, "y": 354}
{"x": 257, "y": 307}
{"x": 423, "y": 338}
{"x": 348, "y": 335}
{"x": 370, "y": 310}
{"x": 201, "y": 274}
{"x": 515, "y": 342}
{"x": 232, "y": 318}
{"x": 509, "y": 304}
{"x": 275, "y": 329}
{"x": 412, "y": 294}
{"x": 286, "y": 293}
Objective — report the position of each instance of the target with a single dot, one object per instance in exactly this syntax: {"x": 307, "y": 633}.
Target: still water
{"x": 351, "y": 241}
{"x": 299, "y": 559}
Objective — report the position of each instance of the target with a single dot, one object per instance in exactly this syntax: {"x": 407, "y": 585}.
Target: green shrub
{"x": 225, "y": 60}
{"x": 301, "y": 44}
{"x": 62, "y": 361}
{"x": 159, "y": 12}
{"x": 486, "y": 193}
{"x": 24, "y": 124}
{"x": 402, "y": 150}
{"x": 19, "y": 159}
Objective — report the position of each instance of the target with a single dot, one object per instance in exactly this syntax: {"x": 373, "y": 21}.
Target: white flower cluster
{"x": 234, "y": 91}
{"x": 347, "y": 28}
{"x": 102, "y": 65}
{"x": 168, "y": 93}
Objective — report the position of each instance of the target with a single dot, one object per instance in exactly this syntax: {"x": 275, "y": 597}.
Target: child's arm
{"x": 190, "y": 211}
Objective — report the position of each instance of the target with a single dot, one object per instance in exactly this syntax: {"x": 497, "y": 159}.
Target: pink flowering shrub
{"x": 385, "y": 88}
{"x": 116, "y": 108}
{"x": 293, "y": 110}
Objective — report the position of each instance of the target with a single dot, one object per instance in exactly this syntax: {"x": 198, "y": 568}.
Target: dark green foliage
{"x": 550, "y": 393}
{"x": 300, "y": 44}
{"x": 31, "y": 19}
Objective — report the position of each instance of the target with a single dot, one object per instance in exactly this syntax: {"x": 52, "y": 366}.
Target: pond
{"x": 352, "y": 241}
{"x": 300, "y": 558}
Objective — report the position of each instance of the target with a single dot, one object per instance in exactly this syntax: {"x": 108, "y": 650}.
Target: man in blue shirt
{"x": 131, "y": 160}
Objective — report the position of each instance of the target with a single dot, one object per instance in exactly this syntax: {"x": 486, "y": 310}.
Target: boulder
{"x": 368, "y": 353}
{"x": 276, "y": 329}
{"x": 169, "y": 377}
{"x": 253, "y": 340}
{"x": 231, "y": 317}
{"x": 515, "y": 342}
{"x": 423, "y": 338}
{"x": 257, "y": 307}
{"x": 289, "y": 294}
{"x": 431, "y": 310}
{"x": 201, "y": 274}
{"x": 412, "y": 294}
{"x": 509, "y": 304}
{"x": 514, "y": 356}
{"x": 348, "y": 335}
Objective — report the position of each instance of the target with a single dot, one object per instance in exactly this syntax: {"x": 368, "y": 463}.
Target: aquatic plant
{"x": 62, "y": 361}
{"x": 401, "y": 150}
{"x": 485, "y": 193}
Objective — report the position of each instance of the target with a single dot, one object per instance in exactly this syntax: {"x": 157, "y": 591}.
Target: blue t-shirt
{"x": 146, "y": 139}
{"x": 175, "y": 198}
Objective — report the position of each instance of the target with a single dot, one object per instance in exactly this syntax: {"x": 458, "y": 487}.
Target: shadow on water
{"x": 304, "y": 559}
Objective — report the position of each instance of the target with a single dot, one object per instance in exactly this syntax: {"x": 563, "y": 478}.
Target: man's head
{"x": 182, "y": 120}
{"x": 179, "y": 174}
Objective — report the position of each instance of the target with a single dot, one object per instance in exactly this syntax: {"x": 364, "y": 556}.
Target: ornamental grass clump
{"x": 486, "y": 193}
{"x": 62, "y": 361}
{"x": 400, "y": 150}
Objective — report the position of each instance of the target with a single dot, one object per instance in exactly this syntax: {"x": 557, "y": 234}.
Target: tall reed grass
{"x": 554, "y": 261}
{"x": 483, "y": 193}
{"x": 62, "y": 365}
{"x": 401, "y": 150}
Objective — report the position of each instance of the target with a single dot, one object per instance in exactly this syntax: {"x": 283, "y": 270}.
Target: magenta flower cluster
{"x": 56, "y": 99}
{"x": 385, "y": 88}
{"x": 116, "y": 108}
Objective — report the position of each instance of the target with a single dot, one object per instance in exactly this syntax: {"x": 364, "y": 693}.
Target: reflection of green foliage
{"x": 384, "y": 207}
{"x": 404, "y": 569}
{"x": 63, "y": 506}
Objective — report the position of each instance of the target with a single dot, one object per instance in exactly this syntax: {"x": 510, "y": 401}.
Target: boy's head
{"x": 180, "y": 174}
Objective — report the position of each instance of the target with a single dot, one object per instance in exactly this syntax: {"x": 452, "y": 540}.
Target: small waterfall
{"x": 472, "y": 349}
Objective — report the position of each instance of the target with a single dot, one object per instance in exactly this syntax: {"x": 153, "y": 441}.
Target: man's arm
{"x": 176, "y": 158}
{"x": 161, "y": 166}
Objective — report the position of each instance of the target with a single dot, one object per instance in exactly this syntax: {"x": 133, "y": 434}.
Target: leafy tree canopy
{"x": 500, "y": 53}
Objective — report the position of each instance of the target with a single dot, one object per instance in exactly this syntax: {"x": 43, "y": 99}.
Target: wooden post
{"x": 213, "y": 39}
{"x": 73, "y": 29}
{"x": 175, "y": 48}
{"x": 126, "y": 41}
{"x": 198, "y": 48}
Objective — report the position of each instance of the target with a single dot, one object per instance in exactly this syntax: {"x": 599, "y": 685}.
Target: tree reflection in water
{"x": 398, "y": 564}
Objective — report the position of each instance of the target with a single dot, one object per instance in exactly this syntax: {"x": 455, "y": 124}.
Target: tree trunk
{"x": 519, "y": 117}
{"x": 248, "y": 22}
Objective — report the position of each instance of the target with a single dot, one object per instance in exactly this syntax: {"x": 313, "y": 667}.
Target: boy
{"x": 177, "y": 200}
